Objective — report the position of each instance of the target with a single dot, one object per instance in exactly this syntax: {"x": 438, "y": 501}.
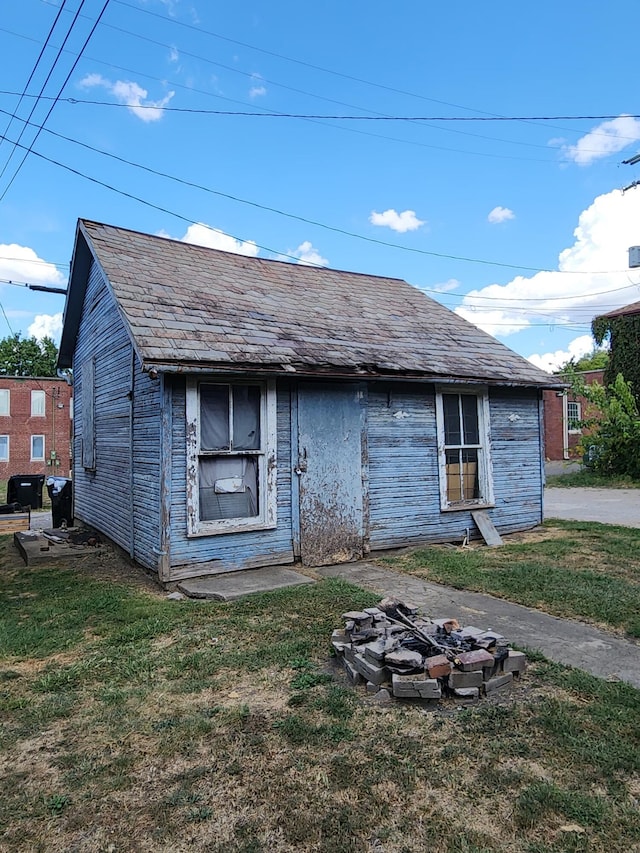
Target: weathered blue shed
{"x": 234, "y": 412}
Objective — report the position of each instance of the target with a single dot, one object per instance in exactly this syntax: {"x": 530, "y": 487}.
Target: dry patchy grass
{"x": 138, "y": 724}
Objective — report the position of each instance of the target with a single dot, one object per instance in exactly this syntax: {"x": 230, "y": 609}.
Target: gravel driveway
{"x": 611, "y": 506}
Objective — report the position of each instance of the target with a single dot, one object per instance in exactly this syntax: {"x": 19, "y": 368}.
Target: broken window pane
{"x": 462, "y": 475}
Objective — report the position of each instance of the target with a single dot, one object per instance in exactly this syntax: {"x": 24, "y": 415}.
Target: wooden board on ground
{"x": 486, "y": 527}
{"x": 14, "y": 522}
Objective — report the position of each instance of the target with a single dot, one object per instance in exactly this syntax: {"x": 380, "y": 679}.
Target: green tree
{"x": 27, "y": 356}
{"x": 611, "y": 443}
{"x": 597, "y": 359}
{"x": 623, "y": 334}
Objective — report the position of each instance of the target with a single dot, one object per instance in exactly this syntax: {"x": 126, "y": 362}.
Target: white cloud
{"x": 551, "y": 361}
{"x": 257, "y": 87}
{"x": 213, "y": 238}
{"x": 131, "y": 94}
{"x": 46, "y": 326}
{"x": 610, "y": 137}
{"x": 174, "y": 56}
{"x": 22, "y": 264}
{"x": 592, "y": 275}
{"x": 446, "y": 286}
{"x": 500, "y": 214}
{"x": 308, "y": 256}
{"x": 401, "y": 222}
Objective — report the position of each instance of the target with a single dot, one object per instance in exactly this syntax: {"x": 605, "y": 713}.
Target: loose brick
{"x": 516, "y": 662}
{"x": 339, "y": 641}
{"x": 501, "y": 683}
{"x": 374, "y": 652}
{"x": 465, "y": 680}
{"x": 414, "y": 687}
{"x": 369, "y": 671}
{"x": 383, "y": 697}
{"x": 353, "y": 676}
{"x": 447, "y": 625}
{"x": 438, "y": 666}
{"x": 476, "y": 660}
{"x": 404, "y": 658}
{"x": 467, "y": 695}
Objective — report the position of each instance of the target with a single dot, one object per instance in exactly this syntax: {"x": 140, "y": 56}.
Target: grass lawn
{"x": 578, "y": 569}
{"x": 586, "y": 478}
{"x": 133, "y": 723}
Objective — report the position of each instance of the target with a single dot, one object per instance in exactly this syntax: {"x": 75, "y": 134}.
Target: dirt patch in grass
{"x": 139, "y": 724}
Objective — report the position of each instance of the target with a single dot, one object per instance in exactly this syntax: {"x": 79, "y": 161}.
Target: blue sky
{"x": 519, "y": 225}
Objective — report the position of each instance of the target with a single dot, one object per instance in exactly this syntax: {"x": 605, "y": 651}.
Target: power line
{"x": 66, "y": 80}
{"x": 308, "y": 221}
{"x": 33, "y": 71}
{"x": 269, "y": 209}
{"x": 37, "y": 100}
{"x": 328, "y": 116}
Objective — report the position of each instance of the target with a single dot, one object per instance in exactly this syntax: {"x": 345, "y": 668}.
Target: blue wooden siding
{"x": 229, "y": 551}
{"x": 404, "y": 496}
{"x": 102, "y": 497}
{"x": 146, "y": 469}
{"x": 517, "y": 451}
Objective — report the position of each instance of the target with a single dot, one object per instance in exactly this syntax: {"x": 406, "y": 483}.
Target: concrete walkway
{"x": 610, "y": 506}
{"x": 562, "y": 640}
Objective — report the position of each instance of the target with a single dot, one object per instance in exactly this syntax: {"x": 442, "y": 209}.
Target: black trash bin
{"x": 26, "y": 489}
{"x": 61, "y": 493}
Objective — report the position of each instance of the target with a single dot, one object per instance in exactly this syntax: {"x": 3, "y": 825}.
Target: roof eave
{"x": 78, "y": 275}
{"x": 326, "y": 371}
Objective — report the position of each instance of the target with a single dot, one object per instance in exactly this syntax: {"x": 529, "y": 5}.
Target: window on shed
{"x": 38, "y": 401}
{"x": 4, "y": 448}
{"x": 37, "y": 448}
{"x": 463, "y": 449}
{"x": 5, "y": 401}
{"x": 574, "y": 416}
{"x": 232, "y": 456}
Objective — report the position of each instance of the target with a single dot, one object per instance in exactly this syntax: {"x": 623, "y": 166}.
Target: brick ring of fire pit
{"x": 397, "y": 652}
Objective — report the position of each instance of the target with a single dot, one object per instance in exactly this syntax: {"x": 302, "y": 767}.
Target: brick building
{"x": 35, "y": 426}
{"x": 562, "y": 412}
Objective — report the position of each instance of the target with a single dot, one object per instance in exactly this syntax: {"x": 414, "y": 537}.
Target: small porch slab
{"x": 46, "y": 546}
{"x": 233, "y": 585}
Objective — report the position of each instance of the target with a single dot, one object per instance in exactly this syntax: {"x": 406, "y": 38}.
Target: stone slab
{"x": 232, "y": 585}
{"x": 36, "y": 548}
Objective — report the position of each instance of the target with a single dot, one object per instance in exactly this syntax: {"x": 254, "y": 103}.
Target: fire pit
{"x": 397, "y": 652}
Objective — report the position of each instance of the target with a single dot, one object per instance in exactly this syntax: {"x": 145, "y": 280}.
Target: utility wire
{"x": 66, "y": 80}
{"x": 330, "y": 71}
{"x": 38, "y": 97}
{"x": 373, "y": 240}
{"x": 306, "y": 220}
{"x": 33, "y": 71}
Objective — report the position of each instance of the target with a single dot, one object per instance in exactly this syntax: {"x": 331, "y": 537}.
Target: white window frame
{"x": 574, "y": 430}
{"x": 38, "y": 410}
{"x": 485, "y": 477}
{"x": 267, "y": 468}
{"x": 8, "y": 443}
{"x": 5, "y": 394}
{"x": 37, "y": 458}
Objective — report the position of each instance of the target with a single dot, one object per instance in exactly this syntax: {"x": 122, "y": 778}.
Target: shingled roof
{"x": 625, "y": 311}
{"x": 187, "y": 306}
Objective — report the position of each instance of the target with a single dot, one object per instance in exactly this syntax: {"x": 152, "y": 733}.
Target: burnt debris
{"x": 397, "y": 652}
